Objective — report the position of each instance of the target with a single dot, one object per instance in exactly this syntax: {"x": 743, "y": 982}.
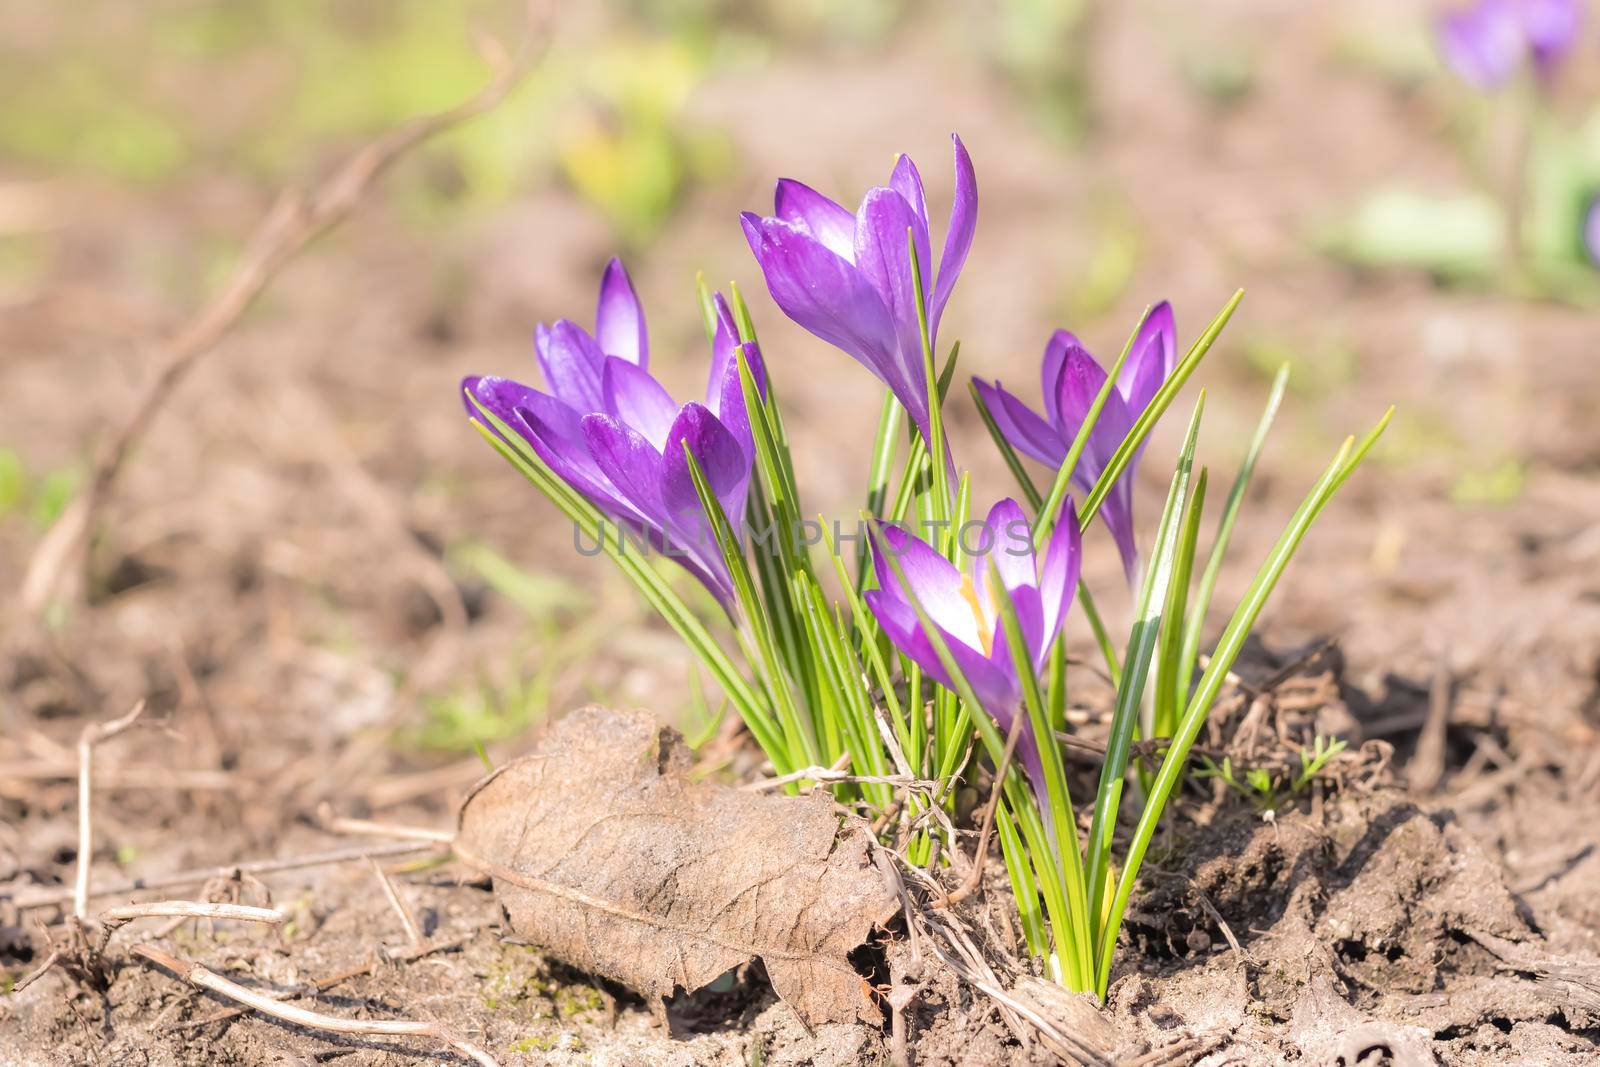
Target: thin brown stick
{"x": 1287, "y": 671}
{"x": 975, "y": 876}
{"x": 820, "y": 775}
{"x": 197, "y": 975}
{"x": 193, "y": 909}
{"x": 92, "y": 735}
{"x": 970, "y": 964}
{"x": 322, "y": 985}
{"x": 47, "y": 897}
{"x": 1222, "y": 924}
{"x": 407, "y": 920}
{"x": 1426, "y": 769}
{"x": 38, "y": 972}
{"x": 297, "y": 218}
{"x": 122, "y": 776}
{"x": 338, "y": 824}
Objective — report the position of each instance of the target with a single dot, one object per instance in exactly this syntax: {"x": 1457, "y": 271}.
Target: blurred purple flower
{"x": 1071, "y": 379}
{"x": 1591, "y": 230}
{"x": 962, "y": 607}
{"x": 1486, "y": 42}
{"x": 611, "y": 431}
{"x": 847, "y": 278}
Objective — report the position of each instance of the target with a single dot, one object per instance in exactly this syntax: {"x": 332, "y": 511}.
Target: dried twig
{"x": 297, "y": 218}
{"x": 338, "y": 824}
{"x": 92, "y": 735}
{"x": 324, "y": 984}
{"x": 38, "y": 972}
{"x": 47, "y": 897}
{"x": 964, "y": 958}
{"x": 975, "y": 876}
{"x": 123, "y": 776}
{"x": 408, "y": 921}
{"x": 1222, "y": 924}
{"x": 1288, "y": 670}
{"x": 819, "y": 775}
{"x": 1426, "y": 769}
{"x": 193, "y": 909}
{"x": 196, "y": 975}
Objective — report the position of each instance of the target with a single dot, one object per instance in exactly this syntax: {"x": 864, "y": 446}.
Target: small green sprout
{"x": 1260, "y": 786}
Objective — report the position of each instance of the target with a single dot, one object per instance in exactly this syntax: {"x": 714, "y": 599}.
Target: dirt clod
{"x": 1379, "y": 934}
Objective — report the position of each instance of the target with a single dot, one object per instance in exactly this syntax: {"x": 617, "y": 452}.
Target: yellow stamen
{"x": 985, "y": 632}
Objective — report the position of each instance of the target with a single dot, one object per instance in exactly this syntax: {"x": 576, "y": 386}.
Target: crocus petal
{"x": 1009, "y": 535}
{"x": 1024, "y": 430}
{"x": 995, "y": 689}
{"x": 1117, "y": 512}
{"x": 556, "y": 433}
{"x": 908, "y": 183}
{"x": 722, "y": 460}
{"x": 629, "y": 462}
{"x": 635, "y": 468}
{"x": 1482, "y": 44}
{"x": 797, "y": 203}
{"x": 572, "y": 363}
{"x": 552, "y": 429}
{"x": 469, "y": 386}
{"x": 1150, "y": 360}
{"x": 1080, "y": 382}
{"x": 636, "y": 399}
{"x": 1058, "y": 574}
{"x": 1551, "y": 28}
{"x": 723, "y": 340}
{"x": 726, "y": 399}
{"x": 1006, "y": 550}
{"x": 958, "y": 237}
{"x": 1591, "y": 231}
{"x": 619, "y": 318}
{"x": 1055, "y": 356}
{"x": 499, "y": 396}
{"x": 883, "y": 256}
{"x": 828, "y": 296}
{"x": 939, "y": 587}
{"x": 724, "y": 390}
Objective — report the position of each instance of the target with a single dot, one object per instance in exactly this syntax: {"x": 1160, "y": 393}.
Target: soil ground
{"x": 268, "y": 577}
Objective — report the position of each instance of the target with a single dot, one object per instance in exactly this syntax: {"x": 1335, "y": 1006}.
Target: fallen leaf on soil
{"x": 604, "y": 853}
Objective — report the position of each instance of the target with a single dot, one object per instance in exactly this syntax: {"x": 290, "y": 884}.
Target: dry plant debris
{"x": 605, "y": 853}
{"x": 296, "y": 219}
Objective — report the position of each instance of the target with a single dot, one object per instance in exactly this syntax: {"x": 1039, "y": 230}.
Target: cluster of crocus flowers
{"x": 1489, "y": 41}
{"x": 979, "y": 611}
{"x": 611, "y": 431}
{"x": 961, "y": 606}
{"x": 1071, "y": 379}
{"x": 850, "y": 279}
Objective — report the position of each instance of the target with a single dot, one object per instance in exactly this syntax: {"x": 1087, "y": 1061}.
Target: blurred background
{"x": 317, "y": 569}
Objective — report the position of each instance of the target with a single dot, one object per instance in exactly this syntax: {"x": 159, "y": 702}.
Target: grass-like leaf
{"x": 1141, "y": 653}
{"x": 1222, "y": 659}
{"x": 1219, "y": 546}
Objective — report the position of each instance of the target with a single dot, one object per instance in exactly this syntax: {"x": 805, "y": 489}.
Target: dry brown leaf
{"x": 604, "y": 853}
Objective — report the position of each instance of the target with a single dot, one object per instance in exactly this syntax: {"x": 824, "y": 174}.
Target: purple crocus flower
{"x": 1591, "y": 230}
{"x": 1071, "y": 379}
{"x": 611, "y": 431}
{"x": 847, "y": 278}
{"x": 1486, "y": 42}
{"x": 962, "y": 608}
